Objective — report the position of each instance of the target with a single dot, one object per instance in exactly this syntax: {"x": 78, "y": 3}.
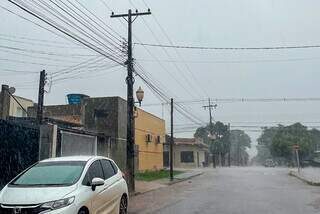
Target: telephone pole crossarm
{"x": 133, "y": 14}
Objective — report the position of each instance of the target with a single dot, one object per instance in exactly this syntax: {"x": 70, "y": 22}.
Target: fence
{"x": 19, "y": 148}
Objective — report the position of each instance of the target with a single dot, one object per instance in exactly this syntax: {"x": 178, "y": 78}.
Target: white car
{"x": 68, "y": 185}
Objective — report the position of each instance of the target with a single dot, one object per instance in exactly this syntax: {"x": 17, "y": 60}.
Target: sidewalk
{"x": 147, "y": 186}
{"x": 309, "y": 175}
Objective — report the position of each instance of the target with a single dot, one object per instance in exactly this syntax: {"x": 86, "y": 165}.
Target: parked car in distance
{"x": 269, "y": 163}
{"x": 68, "y": 185}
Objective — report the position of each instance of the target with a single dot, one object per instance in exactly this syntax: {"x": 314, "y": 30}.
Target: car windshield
{"x": 51, "y": 174}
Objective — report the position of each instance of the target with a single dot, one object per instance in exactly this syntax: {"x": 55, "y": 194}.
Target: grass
{"x": 154, "y": 175}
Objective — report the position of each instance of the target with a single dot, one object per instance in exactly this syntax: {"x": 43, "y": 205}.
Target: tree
{"x": 219, "y": 146}
{"x": 277, "y": 143}
{"x": 264, "y": 144}
{"x": 240, "y": 142}
{"x": 286, "y": 137}
{"x": 236, "y": 142}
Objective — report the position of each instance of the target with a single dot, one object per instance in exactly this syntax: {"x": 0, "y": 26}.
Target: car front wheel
{"x": 123, "y": 205}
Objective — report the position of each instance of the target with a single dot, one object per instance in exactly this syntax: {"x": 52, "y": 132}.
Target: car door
{"x": 97, "y": 196}
{"x": 111, "y": 190}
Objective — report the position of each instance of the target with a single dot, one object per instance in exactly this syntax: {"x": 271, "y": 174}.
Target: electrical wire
{"x": 90, "y": 33}
{"x": 66, "y": 32}
{"x": 229, "y": 48}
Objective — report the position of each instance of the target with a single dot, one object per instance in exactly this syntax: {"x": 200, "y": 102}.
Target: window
{"x": 59, "y": 173}
{"x": 114, "y": 167}
{"x": 94, "y": 171}
{"x": 108, "y": 170}
{"x": 187, "y": 157}
{"x": 158, "y": 141}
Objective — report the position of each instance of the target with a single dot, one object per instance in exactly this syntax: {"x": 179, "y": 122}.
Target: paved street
{"x": 250, "y": 190}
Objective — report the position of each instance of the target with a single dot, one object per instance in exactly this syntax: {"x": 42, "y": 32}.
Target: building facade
{"x": 149, "y": 138}
{"x": 187, "y": 153}
{"x": 15, "y": 110}
{"x": 108, "y": 115}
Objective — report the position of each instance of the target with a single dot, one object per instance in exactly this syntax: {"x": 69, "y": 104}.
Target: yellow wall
{"x": 16, "y": 110}
{"x": 151, "y": 153}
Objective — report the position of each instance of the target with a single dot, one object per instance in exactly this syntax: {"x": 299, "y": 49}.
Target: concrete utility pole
{"x": 229, "y": 154}
{"x": 42, "y": 83}
{"x": 4, "y": 102}
{"x": 211, "y": 107}
{"x": 130, "y": 98}
{"x": 171, "y": 143}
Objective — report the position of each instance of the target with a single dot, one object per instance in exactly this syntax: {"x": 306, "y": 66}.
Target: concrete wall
{"x": 108, "y": 116}
{"x": 150, "y": 153}
{"x": 67, "y": 113}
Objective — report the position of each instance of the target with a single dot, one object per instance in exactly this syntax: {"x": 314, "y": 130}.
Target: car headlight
{"x": 53, "y": 205}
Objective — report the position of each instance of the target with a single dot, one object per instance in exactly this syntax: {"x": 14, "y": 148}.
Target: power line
{"x": 27, "y": 50}
{"x": 234, "y": 61}
{"x": 194, "y": 78}
{"x": 37, "y": 40}
{"x": 242, "y": 100}
{"x": 229, "y": 48}
{"x": 37, "y": 24}
{"x": 47, "y": 45}
{"x": 66, "y": 32}
{"x": 190, "y": 84}
{"x": 64, "y": 19}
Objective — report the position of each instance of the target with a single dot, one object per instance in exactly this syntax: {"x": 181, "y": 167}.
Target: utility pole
{"x": 171, "y": 143}
{"x": 229, "y": 139}
{"x": 130, "y": 98}
{"x": 42, "y": 83}
{"x": 238, "y": 153}
{"x": 296, "y": 149}
{"x": 211, "y": 107}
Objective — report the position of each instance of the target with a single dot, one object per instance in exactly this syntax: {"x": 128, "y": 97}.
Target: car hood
{"x": 33, "y": 195}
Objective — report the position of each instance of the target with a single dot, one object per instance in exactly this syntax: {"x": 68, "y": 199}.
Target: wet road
{"x": 248, "y": 190}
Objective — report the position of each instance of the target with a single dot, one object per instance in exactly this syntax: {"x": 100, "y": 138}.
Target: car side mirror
{"x": 96, "y": 182}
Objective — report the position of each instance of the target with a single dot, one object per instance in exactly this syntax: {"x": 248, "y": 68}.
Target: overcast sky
{"x": 215, "y": 73}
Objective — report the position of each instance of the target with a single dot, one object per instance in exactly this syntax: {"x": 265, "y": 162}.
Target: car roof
{"x": 74, "y": 158}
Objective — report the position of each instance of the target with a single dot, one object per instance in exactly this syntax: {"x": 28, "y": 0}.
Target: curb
{"x": 184, "y": 179}
{"x": 169, "y": 184}
{"x": 312, "y": 183}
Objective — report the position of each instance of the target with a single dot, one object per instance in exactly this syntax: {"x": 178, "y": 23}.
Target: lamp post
{"x": 140, "y": 95}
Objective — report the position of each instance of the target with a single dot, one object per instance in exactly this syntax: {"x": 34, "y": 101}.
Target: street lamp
{"x": 140, "y": 95}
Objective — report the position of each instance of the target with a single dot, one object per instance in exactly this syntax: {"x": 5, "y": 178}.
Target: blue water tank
{"x": 74, "y": 99}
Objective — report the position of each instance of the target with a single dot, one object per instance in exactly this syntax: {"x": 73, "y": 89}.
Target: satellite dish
{"x": 12, "y": 90}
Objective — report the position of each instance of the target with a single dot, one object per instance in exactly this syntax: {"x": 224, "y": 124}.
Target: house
{"x": 187, "y": 153}
{"x": 108, "y": 115}
{"x": 12, "y": 105}
{"x": 149, "y": 137}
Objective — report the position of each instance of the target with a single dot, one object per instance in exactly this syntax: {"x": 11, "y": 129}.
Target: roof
{"x": 23, "y": 98}
{"x": 72, "y": 158}
{"x": 190, "y": 141}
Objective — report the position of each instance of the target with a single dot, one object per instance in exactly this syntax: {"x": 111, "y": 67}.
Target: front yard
{"x": 155, "y": 175}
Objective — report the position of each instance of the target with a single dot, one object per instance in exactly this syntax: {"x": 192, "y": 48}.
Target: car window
{"x": 51, "y": 174}
{"x": 114, "y": 167}
{"x": 94, "y": 171}
{"x": 108, "y": 169}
